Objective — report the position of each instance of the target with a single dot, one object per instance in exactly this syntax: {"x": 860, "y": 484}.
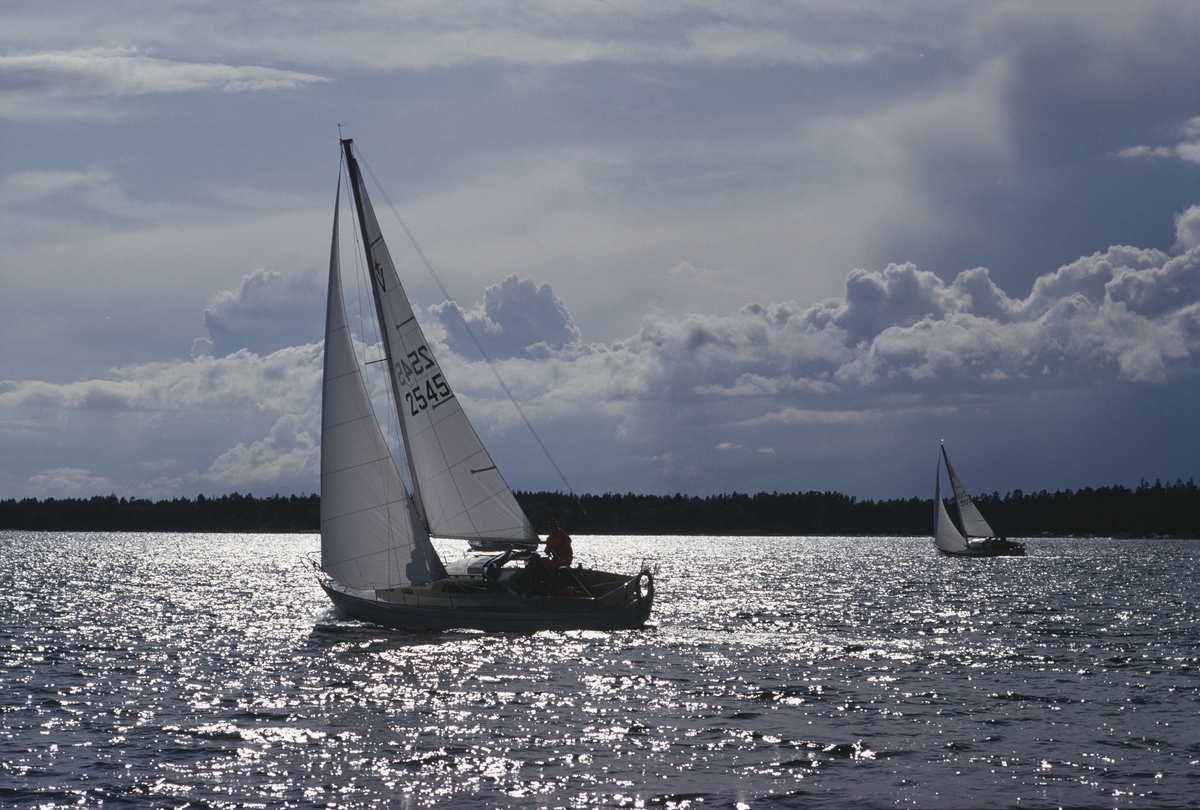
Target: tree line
{"x": 1169, "y": 510}
{"x": 227, "y": 513}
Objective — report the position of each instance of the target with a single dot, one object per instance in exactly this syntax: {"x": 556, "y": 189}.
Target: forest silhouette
{"x": 1149, "y": 510}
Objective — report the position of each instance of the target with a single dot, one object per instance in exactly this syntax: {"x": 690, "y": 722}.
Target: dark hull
{"x": 1005, "y": 548}
{"x": 625, "y": 608}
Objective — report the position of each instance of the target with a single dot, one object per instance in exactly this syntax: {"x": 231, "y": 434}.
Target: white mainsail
{"x": 945, "y": 535}
{"x": 370, "y": 535}
{"x": 972, "y": 521}
{"x": 457, "y": 489}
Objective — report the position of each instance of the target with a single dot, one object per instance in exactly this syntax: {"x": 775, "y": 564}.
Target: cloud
{"x": 898, "y": 336}
{"x": 1187, "y": 229}
{"x": 113, "y": 72}
{"x": 267, "y": 312}
{"x": 1187, "y": 150}
{"x": 70, "y": 482}
{"x": 291, "y": 452}
{"x": 287, "y": 380}
{"x": 94, "y": 190}
{"x": 518, "y": 317}
{"x": 899, "y": 343}
{"x": 421, "y": 36}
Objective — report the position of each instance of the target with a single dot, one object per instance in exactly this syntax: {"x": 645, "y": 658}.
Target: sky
{"x": 710, "y": 247}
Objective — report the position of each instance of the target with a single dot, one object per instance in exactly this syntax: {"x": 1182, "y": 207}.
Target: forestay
{"x": 370, "y": 534}
{"x": 456, "y": 486}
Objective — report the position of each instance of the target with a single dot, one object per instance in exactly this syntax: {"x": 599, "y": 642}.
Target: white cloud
{"x": 1124, "y": 314}
{"x": 422, "y": 35}
{"x": 1187, "y": 150}
{"x": 267, "y": 312}
{"x": 1187, "y": 229}
{"x": 287, "y": 381}
{"x": 94, "y": 190}
{"x": 516, "y": 317}
{"x": 291, "y": 452}
{"x": 111, "y": 72}
{"x": 899, "y": 341}
{"x": 70, "y": 482}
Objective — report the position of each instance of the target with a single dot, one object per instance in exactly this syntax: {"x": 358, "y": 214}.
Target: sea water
{"x": 187, "y": 670}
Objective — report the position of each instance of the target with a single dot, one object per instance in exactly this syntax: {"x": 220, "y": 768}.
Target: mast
{"x": 373, "y": 272}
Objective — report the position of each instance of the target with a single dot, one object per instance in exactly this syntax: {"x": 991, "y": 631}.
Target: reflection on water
{"x": 210, "y": 670}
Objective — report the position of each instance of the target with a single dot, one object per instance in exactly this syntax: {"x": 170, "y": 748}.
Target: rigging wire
{"x": 462, "y": 319}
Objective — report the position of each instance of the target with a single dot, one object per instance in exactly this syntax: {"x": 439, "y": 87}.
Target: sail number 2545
{"x": 435, "y": 390}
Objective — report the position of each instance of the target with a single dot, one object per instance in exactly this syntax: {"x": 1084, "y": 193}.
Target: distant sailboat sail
{"x": 977, "y": 539}
{"x": 945, "y": 535}
{"x": 456, "y": 486}
{"x": 370, "y": 535}
{"x": 972, "y": 521}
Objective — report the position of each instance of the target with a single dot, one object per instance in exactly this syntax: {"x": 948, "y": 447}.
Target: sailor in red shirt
{"x": 558, "y": 548}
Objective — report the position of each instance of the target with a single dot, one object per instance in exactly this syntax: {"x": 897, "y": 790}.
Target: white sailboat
{"x": 976, "y": 538}
{"x": 377, "y": 559}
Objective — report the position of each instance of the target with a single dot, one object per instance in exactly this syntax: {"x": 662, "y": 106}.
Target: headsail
{"x": 972, "y": 521}
{"x": 945, "y": 535}
{"x": 370, "y": 535}
{"x": 456, "y": 487}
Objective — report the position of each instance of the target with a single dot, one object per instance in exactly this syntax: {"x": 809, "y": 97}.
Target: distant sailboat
{"x": 377, "y": 559}
{"x": 976, "y": 539}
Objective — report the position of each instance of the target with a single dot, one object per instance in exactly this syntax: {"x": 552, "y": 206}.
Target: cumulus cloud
{"x": 123, "y": 72}
{"x": 517, "y": 317}
{"x": 291, "y": 452}
{"x": 267, "y": 312}
{"x": 900, "y": 342}
{"x": 899, "y": 337}
{"x": 286, "y": 380}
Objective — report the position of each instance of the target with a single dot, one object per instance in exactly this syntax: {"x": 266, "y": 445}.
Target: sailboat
{"x": 976, "y": 539}
{"x": 378, "y": 561}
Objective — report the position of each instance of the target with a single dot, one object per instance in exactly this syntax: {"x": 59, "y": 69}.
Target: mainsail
{"x": 973, "y": 524}
{"x": 457, "y": 489}
{"x": 370, "y": 534}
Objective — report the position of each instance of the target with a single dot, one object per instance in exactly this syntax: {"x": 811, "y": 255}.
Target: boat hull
{"x": 624, "y": 608}
{"x": 1005, "y": 548}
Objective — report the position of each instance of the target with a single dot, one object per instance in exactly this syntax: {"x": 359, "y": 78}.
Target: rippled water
{"x": 211, "y": 671}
